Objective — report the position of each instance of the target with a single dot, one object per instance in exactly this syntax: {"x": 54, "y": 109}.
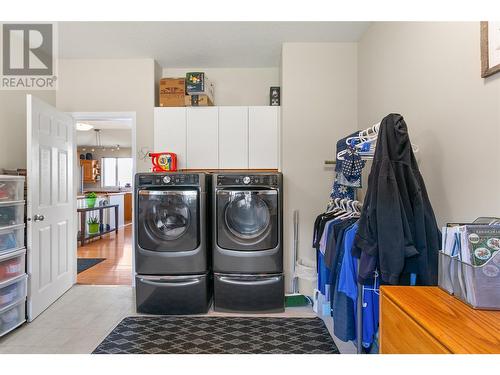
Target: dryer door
{"x": 247, "y": 220}
{"x": 168, "y": 220}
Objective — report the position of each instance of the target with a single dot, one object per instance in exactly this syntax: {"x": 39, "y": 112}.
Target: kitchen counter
{"x": 105, "y": 193}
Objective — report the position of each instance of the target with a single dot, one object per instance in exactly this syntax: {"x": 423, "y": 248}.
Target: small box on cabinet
{"x": 198, "y": 101}
{"x": 172, "y": 92}
{"x": 198, "y": 84}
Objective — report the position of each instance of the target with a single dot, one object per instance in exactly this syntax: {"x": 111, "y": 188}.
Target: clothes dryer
{"x": 172, "y": 243}
{"x": 247, "y": 231}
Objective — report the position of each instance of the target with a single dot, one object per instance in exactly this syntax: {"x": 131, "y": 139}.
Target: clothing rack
{"x": 365, "y": 137}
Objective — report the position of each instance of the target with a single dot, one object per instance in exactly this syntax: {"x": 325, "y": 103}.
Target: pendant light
{"x": 97, "y": 139}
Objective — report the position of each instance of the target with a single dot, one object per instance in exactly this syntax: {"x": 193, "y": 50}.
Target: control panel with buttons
{"x": 170, "y": 179}
{"x": 250, "y": 180}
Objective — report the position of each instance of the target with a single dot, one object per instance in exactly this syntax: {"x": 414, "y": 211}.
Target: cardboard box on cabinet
{"x": 172, "y": 92}
{"x": 198, "y": 101}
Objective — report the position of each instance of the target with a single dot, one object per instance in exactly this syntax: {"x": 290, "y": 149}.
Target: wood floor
{"x": 117, "y": 268}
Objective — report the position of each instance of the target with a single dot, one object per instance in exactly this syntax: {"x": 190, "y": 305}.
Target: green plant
{"x": 93, "y": 220}
{"x": 90, "y": 198}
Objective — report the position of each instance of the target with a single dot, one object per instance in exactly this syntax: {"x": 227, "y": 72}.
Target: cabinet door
{"x": 87, "y": 171}
{"x": 202, "y": 138}
{"x": 263, "y": 137}
{"x": 170, "y": 132}
{"x": 127, "y": 208}
{"x": 233, "y": 137}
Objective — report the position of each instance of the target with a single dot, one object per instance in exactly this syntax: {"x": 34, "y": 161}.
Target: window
{"x": 109, "y": 171}
{"x": 124, "y": 171}
{"x": 117, "y": 171}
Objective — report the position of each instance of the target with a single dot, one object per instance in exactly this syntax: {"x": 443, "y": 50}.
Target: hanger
{"x": 370, "y": 136}
{"x": 334, "y": 208}
{"x": 348, "y": 206}
{"x": 374, "y": 289}
{"x": 357, "y": 143}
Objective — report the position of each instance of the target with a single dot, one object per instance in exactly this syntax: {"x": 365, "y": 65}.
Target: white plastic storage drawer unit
{"x": 11, "y": 238}
{"x": 12, "y": 317}
{"x": 13, "y": 291}
{"x": 11, "y": 213}
{"x": 12, "y": 265}
{"x": 11, "y": 188}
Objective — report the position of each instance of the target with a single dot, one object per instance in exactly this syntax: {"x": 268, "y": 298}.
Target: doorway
{"x": 105, "y": 167}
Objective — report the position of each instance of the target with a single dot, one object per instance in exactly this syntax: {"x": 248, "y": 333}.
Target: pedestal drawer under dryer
{"x": 173, "y": 295}
{"x": 249, "y": 293}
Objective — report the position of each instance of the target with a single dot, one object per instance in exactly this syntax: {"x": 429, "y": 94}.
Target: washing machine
{"x": 247, "y": 232}
{"x": 172, "y": 244}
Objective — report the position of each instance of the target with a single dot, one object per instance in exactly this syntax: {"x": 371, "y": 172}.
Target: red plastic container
{"x": 164, "y": 161}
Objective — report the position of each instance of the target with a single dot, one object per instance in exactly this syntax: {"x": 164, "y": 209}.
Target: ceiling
{"x": 112, "y": 133}
{"x": 205, "y": 44}
{"x": 108, "y": 138}
{"x": 110, "y": 124}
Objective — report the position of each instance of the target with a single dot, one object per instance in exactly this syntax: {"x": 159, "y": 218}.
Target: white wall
{"x": 236, "y": 86}
{"x": 112, "y": 86}
{"x": 430, "y": 73}
{"x": 319, "y": 106}
{"x": 13, "y": 126}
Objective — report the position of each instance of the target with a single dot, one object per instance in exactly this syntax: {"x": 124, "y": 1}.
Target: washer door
{"x": 168, "y": 220}
{"x": 247, "y": 220}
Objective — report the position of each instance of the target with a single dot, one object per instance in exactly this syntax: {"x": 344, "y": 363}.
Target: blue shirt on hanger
{"x": 348, "y": 285}
{"x": 344, "y": 326}
{"x": 323, "y": 273}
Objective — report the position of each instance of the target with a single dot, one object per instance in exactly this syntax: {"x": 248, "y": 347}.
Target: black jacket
{"x": 397, "y": 231}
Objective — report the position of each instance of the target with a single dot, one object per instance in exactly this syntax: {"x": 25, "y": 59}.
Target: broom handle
{"x": 295, "y": 283}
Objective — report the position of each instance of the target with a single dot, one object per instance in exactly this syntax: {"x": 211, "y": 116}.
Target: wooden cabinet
{"x": 127, "y": 208}
{"x": 233, "y": 137}
{"x": 219, "y": 137}
{"x": 263, "y": 137}
{"x": 426, "y": 320}
{"x": 91, "y": 172}
{"x": 398, "y": 324}
{"x": 170, "y": 132}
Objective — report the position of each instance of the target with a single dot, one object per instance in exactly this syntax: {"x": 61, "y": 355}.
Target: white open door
{"x": 51, "y": 238}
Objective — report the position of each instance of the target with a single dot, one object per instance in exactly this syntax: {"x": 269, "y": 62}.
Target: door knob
{"x": 38, "y": 218}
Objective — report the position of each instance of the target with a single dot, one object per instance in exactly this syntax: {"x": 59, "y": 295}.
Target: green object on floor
{"x": 297, "y": 300}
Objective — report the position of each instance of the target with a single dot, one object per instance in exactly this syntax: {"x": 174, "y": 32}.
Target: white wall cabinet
{"x": 220, "y": 137}
{"x": 202, "y": 137}
{"x": 233, "y": 137}
{"x": 263, "y": 137}
{"x": 170, "y": 133}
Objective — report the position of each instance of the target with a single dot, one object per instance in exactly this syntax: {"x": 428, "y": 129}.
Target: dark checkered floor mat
{"x": 218, "y": 335}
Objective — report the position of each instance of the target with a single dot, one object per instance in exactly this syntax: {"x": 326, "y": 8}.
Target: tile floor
{"x": 85, "y": 315}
